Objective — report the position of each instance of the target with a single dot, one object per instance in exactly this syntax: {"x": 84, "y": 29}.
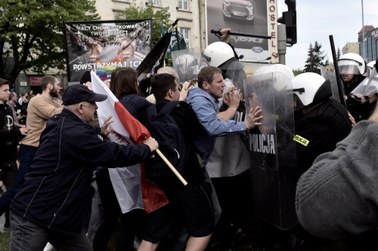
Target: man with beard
{"x": 40, "y": 108}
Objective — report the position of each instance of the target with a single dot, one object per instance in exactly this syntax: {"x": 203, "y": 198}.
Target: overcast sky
{"x": 317, "y": 19}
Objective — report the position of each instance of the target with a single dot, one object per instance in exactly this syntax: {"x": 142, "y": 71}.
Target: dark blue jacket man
{"x": 55, "y": 200}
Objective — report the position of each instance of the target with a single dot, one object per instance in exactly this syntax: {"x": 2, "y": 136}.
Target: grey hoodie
{"x": 338, "y": 196}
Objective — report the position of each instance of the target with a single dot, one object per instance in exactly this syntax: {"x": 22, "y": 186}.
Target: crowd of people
{"x": 66, "y": 180}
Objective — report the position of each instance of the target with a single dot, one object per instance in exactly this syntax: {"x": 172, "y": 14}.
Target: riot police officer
{"x": 353, "y": 71}
{"x": 320, "y": 121}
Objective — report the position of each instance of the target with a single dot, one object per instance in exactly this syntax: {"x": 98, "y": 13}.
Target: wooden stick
{"x": 174, "y": 170}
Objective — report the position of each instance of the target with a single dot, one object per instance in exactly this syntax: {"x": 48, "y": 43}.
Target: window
{"x": 183, "y": 5}
{"x": 155, "y": 2}
{"x": 119, "y": 14}
{"x": 185, "y": 32}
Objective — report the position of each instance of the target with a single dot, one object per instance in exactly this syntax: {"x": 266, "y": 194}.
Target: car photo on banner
{"x": 250, "y": 25}
{"x": 239, "y": 9}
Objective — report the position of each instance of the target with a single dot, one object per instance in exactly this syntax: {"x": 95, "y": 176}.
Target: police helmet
{"x": 352, "y": 63}
{"x": 280, "y": 80}
{"x": 310, "y": 88}
{"x": 217, "y": 53}
{"x": 371, "y": 64}
{"x": 186, "y": 66}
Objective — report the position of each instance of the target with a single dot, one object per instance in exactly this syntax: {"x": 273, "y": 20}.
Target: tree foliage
{"x": 315, "y": 58}
{"x": 338, "y": 53}
{"x": 160, "y": 18}
{"x": 31, "y": 34}
{"x": 297, "y": 71}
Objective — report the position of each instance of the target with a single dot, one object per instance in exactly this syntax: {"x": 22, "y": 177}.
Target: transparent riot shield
{"x": 186, "y": 63}
{"x": 234, "y": 70}
{"x": 272, "y": 150}
{"x": 369, "y": 85}
{"x": 331, "y": 76}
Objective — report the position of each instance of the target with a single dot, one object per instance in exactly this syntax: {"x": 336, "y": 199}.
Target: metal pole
{"x": 363, "y": 30}
{"x": 282, "y": 43}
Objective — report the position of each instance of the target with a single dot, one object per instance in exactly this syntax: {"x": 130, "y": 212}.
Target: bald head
{"x": 168, "y": 70}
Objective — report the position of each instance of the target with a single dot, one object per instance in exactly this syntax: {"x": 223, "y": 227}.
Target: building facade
{"x": 188, "y": 12}
{"x": 369, "y": 45}
{"x": 351, "y": 47}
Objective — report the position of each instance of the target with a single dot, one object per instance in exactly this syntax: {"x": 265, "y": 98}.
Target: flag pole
{"x": 174, "y": 170}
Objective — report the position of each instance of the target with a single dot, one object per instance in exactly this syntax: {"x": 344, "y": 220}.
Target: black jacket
{"x": 324, "y": 126}
{"x": 191, "y": 128}
{"x": 9, "y": 135}
{"x": 57, "y": 190}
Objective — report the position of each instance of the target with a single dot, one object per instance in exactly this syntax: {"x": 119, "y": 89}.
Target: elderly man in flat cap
{"x": 55, "y": 200}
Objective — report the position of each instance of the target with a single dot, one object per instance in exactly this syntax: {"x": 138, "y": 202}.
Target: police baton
{"x": 218, "y": 33}
{"x": 340, "y": 86}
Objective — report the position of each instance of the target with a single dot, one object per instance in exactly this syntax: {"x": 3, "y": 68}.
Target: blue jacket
{"x": 57, "y": 191}
{"x": 206, "y": 108}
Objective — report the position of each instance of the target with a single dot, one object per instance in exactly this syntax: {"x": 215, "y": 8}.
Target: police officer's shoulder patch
{"x": 299, "y": 139}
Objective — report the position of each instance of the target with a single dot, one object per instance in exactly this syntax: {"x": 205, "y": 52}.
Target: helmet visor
{"x": 349, "y": 69}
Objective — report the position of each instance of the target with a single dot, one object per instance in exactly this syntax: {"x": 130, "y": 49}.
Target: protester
{"x": 170, "y": 70}
{"x": 20, "y": 99}
{"x": 10, "y": 135}
{"x": 124, "y": 85}
{"x": 184, "y": 86}
{"x": 188, "y": 204}
{"x": 31, "y": 94}
{"x": 23, "y": 101}
{"x": 12, "y": 102}
{"x": 40, "y": 109}
{"x": 336, "y": 198}
{"x": 229, "y": 163}
{"x": 204, "y": 101}
{"x": 96, "y": 217}
{"x": 56, "y": 196}
{"x": 353, "y": 71}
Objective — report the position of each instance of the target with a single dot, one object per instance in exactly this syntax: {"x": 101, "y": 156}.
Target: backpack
{"x": 171, "y": 143}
